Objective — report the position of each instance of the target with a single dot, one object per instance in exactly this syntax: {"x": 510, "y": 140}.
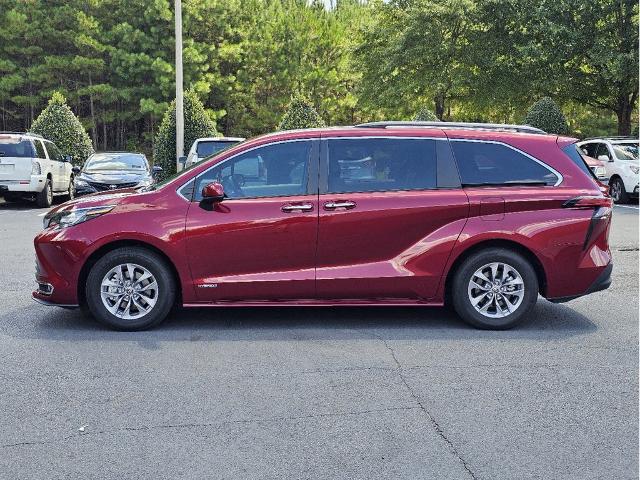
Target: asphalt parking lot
{"x": 402, "y": 393}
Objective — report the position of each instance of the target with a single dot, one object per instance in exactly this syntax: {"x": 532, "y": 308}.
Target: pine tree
{"x": 300, "y": 114}
{"x": 197, "y": 124}
{"x": 547, "y": 116}
{"x": 425, "y": 115}
{"x": 58, "y": 124}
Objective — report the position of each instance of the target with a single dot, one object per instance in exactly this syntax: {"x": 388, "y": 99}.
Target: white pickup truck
{"x": 32, "y": 167}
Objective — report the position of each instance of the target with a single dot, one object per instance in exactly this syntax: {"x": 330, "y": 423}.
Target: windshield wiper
{"x": 511, "y": 183}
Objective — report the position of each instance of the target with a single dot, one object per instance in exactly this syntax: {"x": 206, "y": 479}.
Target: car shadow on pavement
{"x": 546, "y": 322}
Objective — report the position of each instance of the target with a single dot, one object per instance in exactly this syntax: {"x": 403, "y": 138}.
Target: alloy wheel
{"x": 129, "y": 291}
{"x": 496, "y": 290}
{"x": 616, "y": 190}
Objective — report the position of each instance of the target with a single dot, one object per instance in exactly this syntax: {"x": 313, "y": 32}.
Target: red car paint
{"x": 389, "y": 248}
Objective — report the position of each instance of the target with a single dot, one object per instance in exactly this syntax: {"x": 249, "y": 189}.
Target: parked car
{"x": 480, "y": 217}
{"x": 114, "y": 170}
{"x": 32, "y": 167}
{"x": 205, "y": 147}
{"x": 597, "y": 167}
{"x": 620, "y": 156}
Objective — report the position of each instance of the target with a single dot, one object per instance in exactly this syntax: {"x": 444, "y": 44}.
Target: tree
{"x": 300, "y": 114}
{"x": 547, "y": 116}
{"x": 197, "y": 124}
{"x": 425, "y": 115}
{"x": 58, "y": 124}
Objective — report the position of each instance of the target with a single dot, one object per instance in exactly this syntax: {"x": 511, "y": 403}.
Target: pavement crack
{"x": 141, "y": 428}
{"x": 434, "y": 424}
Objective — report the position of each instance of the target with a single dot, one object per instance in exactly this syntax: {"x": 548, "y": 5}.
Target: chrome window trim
{"x": 496, "y": 142}
{"x": 266, "y": 144}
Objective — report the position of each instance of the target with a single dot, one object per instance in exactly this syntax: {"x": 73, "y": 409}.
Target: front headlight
{"x": 145, "y": 183}
{"x": 68, "y": 218}
{"x": 634, "y": 169}
{"x": 600, "y": 172}
{"x": 80, "y": 183}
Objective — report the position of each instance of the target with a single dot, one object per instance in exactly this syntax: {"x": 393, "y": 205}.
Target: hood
{"x": 114, "y": 177}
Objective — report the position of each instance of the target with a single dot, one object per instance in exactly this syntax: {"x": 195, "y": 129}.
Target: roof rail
{"x": 21, "y": 133}
{"x": 471, "y": 126}
{"x": 614, "y": 137}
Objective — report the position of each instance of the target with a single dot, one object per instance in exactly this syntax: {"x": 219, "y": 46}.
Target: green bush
{"x": 58, "y": 124}
{"x": 197, "y": 124}
{"x": 546, "y": 115}
{"x": 300, "y": 114}
{"x": 426, "y": 115}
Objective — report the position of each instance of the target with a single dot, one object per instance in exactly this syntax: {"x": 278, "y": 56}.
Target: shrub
{"x": 426, "y": 115}
{"x": 546, "y": 115}
{"x": 300, "y": 114}
{"x": 58, "y": 124}
{"x": 197, "y": 124}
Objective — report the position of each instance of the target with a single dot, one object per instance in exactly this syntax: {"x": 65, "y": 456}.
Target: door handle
{"x": 303, "y": 207}
{"x": 347, "y": 204}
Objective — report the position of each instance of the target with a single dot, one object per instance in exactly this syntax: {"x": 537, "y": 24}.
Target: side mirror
{"x": 213, "y": 192}
{"x": 67, "y": 158}
{"x": 156, "y": 169}
{"x": 76, "y": 170}
{"x": 604, "y": 158}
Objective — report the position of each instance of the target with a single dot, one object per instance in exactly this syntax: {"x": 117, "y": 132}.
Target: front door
{"x": 259, "y": 243}
{"x": 390, "y": 214}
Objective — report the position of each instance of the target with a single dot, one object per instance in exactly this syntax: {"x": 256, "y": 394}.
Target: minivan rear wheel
{"x": 494, "y": 289}
{"x": 130, "y": 289}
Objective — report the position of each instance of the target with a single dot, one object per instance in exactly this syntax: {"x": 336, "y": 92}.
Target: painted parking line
{"x": 42, "y": 214}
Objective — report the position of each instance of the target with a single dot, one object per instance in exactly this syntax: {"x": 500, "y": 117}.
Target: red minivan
{"x": 482, "y": 217}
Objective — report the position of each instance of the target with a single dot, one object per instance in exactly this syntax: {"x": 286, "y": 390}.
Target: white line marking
{"x": 42, "y": 214}
{"x": 628, "y": 206}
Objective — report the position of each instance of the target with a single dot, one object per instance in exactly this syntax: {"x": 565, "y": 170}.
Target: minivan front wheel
{"x": 494, "y": 289}
{"x": 130, "y": 289}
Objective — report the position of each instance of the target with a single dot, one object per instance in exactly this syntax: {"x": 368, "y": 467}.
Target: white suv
{"x": 33, "y": 167}
{"x": 620, "y": 157}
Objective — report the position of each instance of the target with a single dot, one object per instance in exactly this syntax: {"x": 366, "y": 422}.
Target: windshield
{"x": 210, "y": 147}
{"x": 116, "y": 161}
{"x": 626, "y": 151}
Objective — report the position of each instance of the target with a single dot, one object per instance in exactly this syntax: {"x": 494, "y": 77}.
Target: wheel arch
{"x": 108, "y": 247}
{"x": 501, "y": 243}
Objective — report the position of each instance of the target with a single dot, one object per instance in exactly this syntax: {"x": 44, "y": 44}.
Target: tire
{"x": 494, "y": 299}
{"x": 44, "y": 199}
{"x": 617, "y": 191}
{"x": 124, "y": 313}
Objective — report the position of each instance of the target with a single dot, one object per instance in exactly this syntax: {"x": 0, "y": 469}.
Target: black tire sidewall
{"x": 460, "y": 297}
{"x": 624, "y": 196}
{"x": 43, "y": 197}
{"x": 145, "y": 258}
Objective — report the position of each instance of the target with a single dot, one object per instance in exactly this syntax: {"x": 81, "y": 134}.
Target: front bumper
{"x": 34, "y": 184}
{"x": 602, "y": 282}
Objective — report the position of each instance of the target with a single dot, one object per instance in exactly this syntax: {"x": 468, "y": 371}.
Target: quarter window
{"x": 277, "y": 170}
{"x": 39, "y": 149}
{"x": 381, "y": 164}
{"x": 482, "y": 163}
{"x": 54, "y": 153}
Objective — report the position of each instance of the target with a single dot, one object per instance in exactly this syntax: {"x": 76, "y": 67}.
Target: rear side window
{"x": 483, "y": 163}
{"x": 54, "y": 153}
{"x": 381, "y": 164}
{"x": 573, "y": 153}
{"x": 16, "y": 148}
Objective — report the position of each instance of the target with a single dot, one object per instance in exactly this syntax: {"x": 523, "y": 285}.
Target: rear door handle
{"x": 302, "y": 207}
{"x": 347, "y": 204}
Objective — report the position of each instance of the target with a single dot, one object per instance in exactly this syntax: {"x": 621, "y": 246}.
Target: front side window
{"x": 54, "y": 153}
{"x": 603, "y": 150}
{"x": 483, "y": 163}
{"x": 277, "y": 170}
{"x": 381, "y": 164}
